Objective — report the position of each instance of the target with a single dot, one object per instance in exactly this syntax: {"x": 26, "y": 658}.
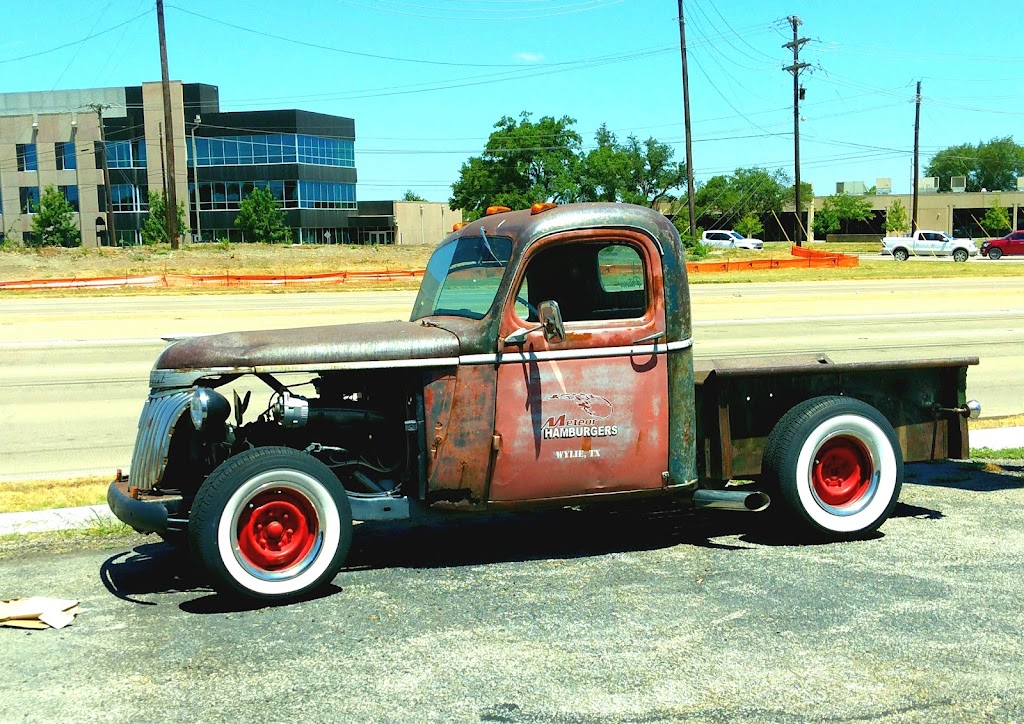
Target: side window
{"x": 589, "y": 280}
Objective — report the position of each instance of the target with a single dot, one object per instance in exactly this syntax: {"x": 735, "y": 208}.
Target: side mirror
{"x": 550, "y": 317}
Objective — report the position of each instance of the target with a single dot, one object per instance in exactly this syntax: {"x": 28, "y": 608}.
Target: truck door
{"x": 586, "y": 415}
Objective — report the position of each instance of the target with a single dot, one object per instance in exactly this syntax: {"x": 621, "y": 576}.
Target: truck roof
{"x": 526, "y": 227}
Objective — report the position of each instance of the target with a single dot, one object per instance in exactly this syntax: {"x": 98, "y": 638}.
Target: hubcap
{"x": 277, "y": 529}
{"x": 842, "y": 472}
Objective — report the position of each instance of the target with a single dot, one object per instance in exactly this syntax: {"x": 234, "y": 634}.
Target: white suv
{"x": 731, "y": 239}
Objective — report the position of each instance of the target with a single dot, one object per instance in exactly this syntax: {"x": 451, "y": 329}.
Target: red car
{"x": 1012, "y": 243}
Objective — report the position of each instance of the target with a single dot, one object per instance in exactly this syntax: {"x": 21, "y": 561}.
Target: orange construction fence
{"x": 807, "y": 258}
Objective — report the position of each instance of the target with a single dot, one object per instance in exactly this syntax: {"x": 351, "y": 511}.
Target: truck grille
{"x": 159, "y": 415}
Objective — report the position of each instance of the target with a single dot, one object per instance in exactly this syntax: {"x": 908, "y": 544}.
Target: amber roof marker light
{"x": 460, "y": 225}
{"x": 491, "y": 210}
{"x": 542, "y": 206}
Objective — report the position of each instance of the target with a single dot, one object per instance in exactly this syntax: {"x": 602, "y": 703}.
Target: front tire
{"x": 900, "y": 255}
{"x": 995, "y": 254}
{"x": 960, "y": 255}
{"x": 837, "y": 465}
{"x": 271, "y": 524}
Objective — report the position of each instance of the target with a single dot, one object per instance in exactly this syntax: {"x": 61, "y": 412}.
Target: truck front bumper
{"x": 143, "y": 511}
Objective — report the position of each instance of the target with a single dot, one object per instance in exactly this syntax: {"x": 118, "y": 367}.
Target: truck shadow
{"x": 559, "y": 534}
{"x": 979, "y": 476}
{"x": 454, "y": 540}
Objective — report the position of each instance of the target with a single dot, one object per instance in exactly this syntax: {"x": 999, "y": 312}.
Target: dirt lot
{"x": 566, "y": 616}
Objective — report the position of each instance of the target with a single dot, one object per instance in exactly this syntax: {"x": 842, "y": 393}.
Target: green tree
{"x": 154, "y": 228}
{"x": 261, "y": 219}
{"x": 896, "y": 219}
{"x": 993, "y": 165}
{"x": 750, "y": 226}
{"x": 837, "y": 211}
{"x": 995, "y": 220}
{"x": 635, "y": 172}
{"x": 522, "y": 163}
{"x": 748, "y": 191}
{"x": 411, "y": 195}
{"x": 53, "y": 221}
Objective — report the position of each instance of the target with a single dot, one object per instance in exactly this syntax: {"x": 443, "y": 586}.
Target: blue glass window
{"x": 71, "y": 194}
{"x": 326, "y": 195}
{"x": 326, "y": 151}
{"x": 228, "y": 195}
{"x": 27, "y": 158}
{"x": 64, "y": 153}
{"x": 29, "y": 199}
{"x": 273, "y": 148}
{"x": 126, "y": 154}
{"x": 127, "y": 198}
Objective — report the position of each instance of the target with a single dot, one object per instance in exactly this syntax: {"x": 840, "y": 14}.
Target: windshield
{"x": 736, "y": 235}
{"x": 462, "y": 277}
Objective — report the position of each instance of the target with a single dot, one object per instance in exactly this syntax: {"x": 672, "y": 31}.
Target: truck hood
{"x": 308, "y": 347}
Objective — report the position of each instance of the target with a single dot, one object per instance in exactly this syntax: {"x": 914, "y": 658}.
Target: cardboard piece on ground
{"x": 25, "y": 624}
{"x": 37, "y": 612}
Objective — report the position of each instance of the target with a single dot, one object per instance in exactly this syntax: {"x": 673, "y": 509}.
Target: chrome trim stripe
{"x": 363, "y": 365}
{"x": 553, "y": 355}
{"x": 161, "y": 412}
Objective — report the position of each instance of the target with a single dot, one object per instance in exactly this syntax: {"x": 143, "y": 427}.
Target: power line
{"x": 76, "y": 42}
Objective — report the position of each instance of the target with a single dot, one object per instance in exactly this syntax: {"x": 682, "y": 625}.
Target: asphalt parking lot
{"x": 565, "y": 616}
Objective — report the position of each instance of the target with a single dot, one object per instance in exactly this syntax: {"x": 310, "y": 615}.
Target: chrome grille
{"x": 161, "y": 412}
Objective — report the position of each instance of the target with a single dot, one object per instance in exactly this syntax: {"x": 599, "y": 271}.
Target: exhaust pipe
{"x": 751, "y": 500}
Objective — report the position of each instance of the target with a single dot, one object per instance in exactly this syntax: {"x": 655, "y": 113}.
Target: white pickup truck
{"x": 928, "y": 243}
{"x": 730, "y": 239}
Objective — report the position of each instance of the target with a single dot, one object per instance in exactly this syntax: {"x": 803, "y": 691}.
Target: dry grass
{"x": 55, "y": 263}
{"x": 25, "y": 495}
{"x": 243, "y": 259}
{"x": 989, "y": 423}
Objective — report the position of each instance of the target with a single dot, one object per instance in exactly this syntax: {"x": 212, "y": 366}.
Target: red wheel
{"x": 277, "y": 529}
{"x": 841, "y": 472}
{"x": 836, "y": 464}
{"x": 271, "y": 523}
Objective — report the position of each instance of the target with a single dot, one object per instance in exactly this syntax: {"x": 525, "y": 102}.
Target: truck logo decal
{"x": 594, "y": 407}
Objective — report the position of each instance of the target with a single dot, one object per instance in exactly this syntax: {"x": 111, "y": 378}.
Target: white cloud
{"x": 530, "y": 57}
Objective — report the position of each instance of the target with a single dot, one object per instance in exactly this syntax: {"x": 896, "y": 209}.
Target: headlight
{"x": 208, "y": 408}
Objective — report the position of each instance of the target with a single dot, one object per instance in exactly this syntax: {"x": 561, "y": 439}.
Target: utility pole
{"x": 795, "y": 69}
{"x": 98, "y": 107}
{"x": 171, "y": 199}
{"x": 917, "y": 138}
{"x": 686, "y": 122}
{"x": 195, "y": 177}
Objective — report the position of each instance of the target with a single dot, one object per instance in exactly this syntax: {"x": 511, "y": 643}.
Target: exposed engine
{"x": 362, "y": 425}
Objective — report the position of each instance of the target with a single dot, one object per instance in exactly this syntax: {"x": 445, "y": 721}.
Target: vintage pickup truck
{"x": 928, "y": 243}
{"x": 548, "y": 362}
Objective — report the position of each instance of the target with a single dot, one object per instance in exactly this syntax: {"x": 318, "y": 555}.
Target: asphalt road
{"x": 569, "y": 616}
{"x": 73, "y": 372}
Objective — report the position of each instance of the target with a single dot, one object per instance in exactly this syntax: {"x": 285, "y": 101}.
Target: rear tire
{"x": 271, "y": 524}
{"x": 900, "y": 254}
{"x": 995, "y": 254}
{"x": 837, "y": 465}
{"x": 960, "y": 255}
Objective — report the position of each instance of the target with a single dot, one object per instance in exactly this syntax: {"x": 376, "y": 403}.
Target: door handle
{"x": 650, "y": 338}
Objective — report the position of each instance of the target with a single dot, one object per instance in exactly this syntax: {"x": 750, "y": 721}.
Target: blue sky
{"x": 425, "y": 80}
